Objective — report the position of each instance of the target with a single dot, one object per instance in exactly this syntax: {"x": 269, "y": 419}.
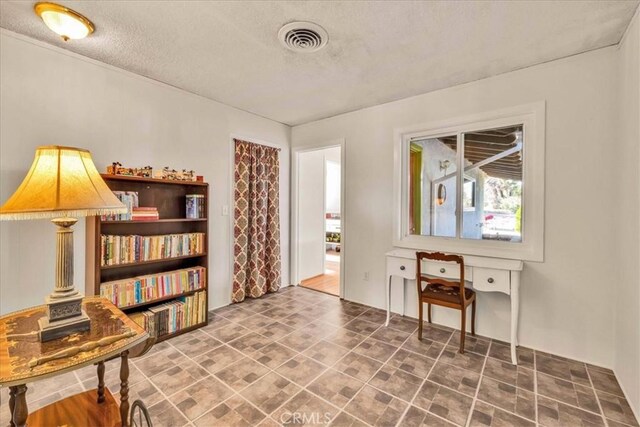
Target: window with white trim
{"x": 476, "y": 187}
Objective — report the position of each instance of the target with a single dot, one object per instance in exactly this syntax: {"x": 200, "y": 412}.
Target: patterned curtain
{"x": 256, "y": 268}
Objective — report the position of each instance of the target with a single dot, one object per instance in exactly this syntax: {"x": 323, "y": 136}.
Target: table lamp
{"x": 63, "y": 183}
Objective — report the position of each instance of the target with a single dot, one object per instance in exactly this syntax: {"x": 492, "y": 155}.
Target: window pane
{"x": 493, "y": 204}
{"x": 432, "y": 186}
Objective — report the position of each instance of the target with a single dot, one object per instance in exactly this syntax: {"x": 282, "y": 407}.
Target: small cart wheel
{"x": 139, "y": 415}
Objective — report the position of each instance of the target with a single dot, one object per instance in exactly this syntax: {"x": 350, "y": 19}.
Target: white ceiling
{"x": 377, "y": 51}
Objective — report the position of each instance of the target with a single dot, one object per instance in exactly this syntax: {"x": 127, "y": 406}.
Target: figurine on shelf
{"x": 114, "y": 168}
{"x": 145, "y": 172}
{"x": 148, "y": 172}
{"x": 186, "y": 175}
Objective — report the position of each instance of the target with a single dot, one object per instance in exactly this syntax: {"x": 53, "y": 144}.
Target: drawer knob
{"x": 490, "y": 280}
{"x": 442, "y": 270}
{"x": 402, "y": 267}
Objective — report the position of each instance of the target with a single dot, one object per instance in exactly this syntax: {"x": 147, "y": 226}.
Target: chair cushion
{"x": 445, "y": 293}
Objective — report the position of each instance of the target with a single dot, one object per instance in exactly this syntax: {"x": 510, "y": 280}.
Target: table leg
{"x": 19, "y": 411}
{"x": 388, "y": 299}
{"x": 100, "y": 382}
{"x": 12, "y": 404}
{"x": 404, "y": 283}
{"x": 515, "y": 307}
{"x": 124, "y": 388}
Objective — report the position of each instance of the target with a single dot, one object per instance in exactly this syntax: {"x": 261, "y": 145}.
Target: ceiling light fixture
{"x": 68, "y": 23}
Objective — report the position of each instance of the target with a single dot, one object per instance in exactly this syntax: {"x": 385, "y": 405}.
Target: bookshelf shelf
{"x": 152, "y": 261}
{"x": 166, "y": 220}
{"x": 151, "y": 180}
{"x": 159, "y": 300}
{"x": 169, "y": 197}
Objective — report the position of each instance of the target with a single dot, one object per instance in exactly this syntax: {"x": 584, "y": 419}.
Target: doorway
{"x": 319, "y": 213}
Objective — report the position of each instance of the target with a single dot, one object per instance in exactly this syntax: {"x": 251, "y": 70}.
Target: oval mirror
{"x": 441, "y": 194}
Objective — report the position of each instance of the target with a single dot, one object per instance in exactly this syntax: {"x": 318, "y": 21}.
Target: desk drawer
{"x": 446, "y": 270}
{"x": 401, "y": 267}
{"x": 491, "y": 280}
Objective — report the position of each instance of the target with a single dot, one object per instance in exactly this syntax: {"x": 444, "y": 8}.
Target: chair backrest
{"x": 439, "y": 256}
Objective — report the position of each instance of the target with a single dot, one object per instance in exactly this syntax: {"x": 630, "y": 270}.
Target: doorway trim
{"x": 295, "y": 258}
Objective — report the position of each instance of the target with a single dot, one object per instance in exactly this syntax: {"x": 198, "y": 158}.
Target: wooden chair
{"x": 446, "y": 293}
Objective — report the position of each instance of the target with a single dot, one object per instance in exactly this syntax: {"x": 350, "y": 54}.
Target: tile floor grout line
{"x": 209, "y": 374}
{"x": 507, "y": 411}
{"x": 606, "y": 422}
{"x": 367, "y": 383}
{"x": 273, "y": 370}
{"x": 573, "y": 362}
{"x": 331, "y": 367}
{"x": 234, "y": 392}
{"x": 340, "y": 410}
{"x": 302, "y": 388}
{"x": 535, "y": 392}
{"x": 338, "y": 326}
{"x": 425, "y": 380}
{"x": 475, "y": 397}
{"x": 571, "y": 404}
{"x": 161, "y": 391}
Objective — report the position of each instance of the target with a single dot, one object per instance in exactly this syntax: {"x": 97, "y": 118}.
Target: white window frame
{"x": 532, "y": 117}
{"x": 472, "y": 180}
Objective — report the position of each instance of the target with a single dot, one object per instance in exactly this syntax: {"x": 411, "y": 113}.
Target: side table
{"x": 24, "y": 359}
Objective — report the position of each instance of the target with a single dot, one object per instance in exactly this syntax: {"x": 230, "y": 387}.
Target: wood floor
{"x": 329, "y": 282}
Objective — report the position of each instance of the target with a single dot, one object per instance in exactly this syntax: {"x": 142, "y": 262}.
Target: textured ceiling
{"x": 377, "y": 51}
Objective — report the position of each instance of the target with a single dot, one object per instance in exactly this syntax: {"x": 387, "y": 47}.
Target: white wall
{"x": 311, "y": 246}
{"x": 627, "y": 206}
{"x": 564, "y": 308}
{"x": 332, "y": 180}
{"x": 50, "y": 96}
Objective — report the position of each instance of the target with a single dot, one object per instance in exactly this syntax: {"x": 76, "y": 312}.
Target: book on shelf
{"x": 127, "y": 249}
{"x": 137, "y": 290}
{"x": 195, "y": 207}
{"x": 145, "y": 214}
{"x": 171, "y": 317}
{"x": 130, "y": 200}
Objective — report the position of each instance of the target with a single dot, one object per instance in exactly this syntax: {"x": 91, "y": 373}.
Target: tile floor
{"x": 303, "y": 357}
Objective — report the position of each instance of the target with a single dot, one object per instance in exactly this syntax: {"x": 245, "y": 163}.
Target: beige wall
{"x": 50, "y": 96}
{"x": 564, "y": 308}
{"x": 627, "y": 205}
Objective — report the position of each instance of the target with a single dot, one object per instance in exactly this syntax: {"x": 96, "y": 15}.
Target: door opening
{"x": 319, "y": 222}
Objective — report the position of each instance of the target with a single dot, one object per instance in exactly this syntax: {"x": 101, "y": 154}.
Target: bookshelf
{"x": 169, "y": 197}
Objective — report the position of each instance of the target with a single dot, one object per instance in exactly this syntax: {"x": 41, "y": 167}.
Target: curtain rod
{"x": 255, "y": 143}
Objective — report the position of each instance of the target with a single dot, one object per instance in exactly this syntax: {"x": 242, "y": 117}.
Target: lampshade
{"x": 62, "y": 182}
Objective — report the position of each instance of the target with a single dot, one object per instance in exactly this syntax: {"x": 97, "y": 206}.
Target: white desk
{"x": 485, "y": 274}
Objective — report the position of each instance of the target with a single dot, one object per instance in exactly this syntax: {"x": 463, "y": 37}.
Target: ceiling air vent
{"x": 303, "y": 37}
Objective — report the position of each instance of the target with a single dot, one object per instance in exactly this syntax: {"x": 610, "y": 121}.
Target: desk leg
{"x": 515, "y": 307}
{"x": 100, "y": 382}
{"x": 124, "y": 388}
{"x": 404, "y": 286}
{"x": 388, "y": 299}
{"x": 18, "y": 405}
